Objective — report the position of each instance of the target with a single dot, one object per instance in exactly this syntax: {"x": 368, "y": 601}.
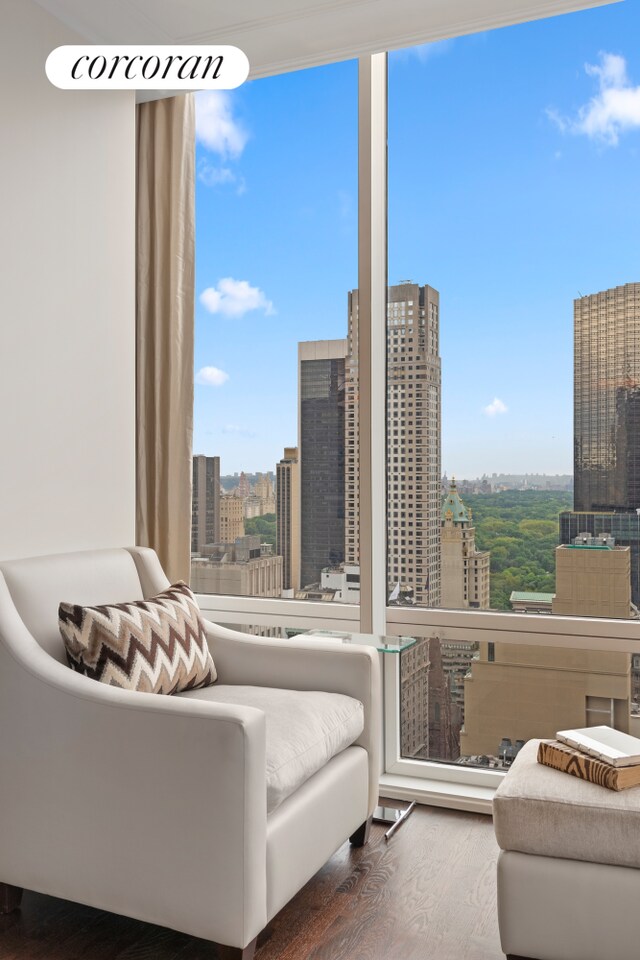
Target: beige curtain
{"x": 164, "y": 328}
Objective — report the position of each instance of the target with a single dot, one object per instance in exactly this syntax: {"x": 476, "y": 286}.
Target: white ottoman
{"x": 569, "y": 867}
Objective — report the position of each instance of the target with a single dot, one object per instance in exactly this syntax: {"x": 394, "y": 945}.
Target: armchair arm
{"x": 307, "y": 664}
{"x": 153, "y": 807}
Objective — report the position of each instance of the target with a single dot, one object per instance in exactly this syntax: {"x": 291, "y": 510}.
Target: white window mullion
{"x": 372, "y": 306}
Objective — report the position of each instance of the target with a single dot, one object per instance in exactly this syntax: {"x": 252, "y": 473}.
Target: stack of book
{"x": 598, "y": 754}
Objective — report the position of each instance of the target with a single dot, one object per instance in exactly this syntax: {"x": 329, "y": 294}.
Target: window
{"x": 275, "y": 470}
{"x": 490, "y": 263}
{"x": 515, "y": 516}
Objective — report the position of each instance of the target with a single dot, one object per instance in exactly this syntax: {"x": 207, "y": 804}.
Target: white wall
{"x": 67, "y": 300}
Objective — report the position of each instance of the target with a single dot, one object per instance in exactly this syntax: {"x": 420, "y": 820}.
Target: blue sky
{"x": 513, "y": 187}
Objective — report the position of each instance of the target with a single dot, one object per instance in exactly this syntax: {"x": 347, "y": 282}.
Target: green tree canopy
{"x": 263, "y": 527}
{"x": 520, "y": 528}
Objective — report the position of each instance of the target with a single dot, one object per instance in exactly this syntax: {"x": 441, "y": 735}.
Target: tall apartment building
{"x": 288, "y": 518}
{"x": 205, "y": 513}
{"x": 244, "y": 487}
{"x": 607, "y": 421}
{"x": 321, "y": 424}
{"x": 231, "y": 518}
{"x": 465, "y": 575}
{"x": 263, "y": 498}
{"x": 414, "y": 703}
{"x": 263, "y": 488}
{"x": 428, "y": 729}
{"x": 253, "y": 507}
{"x": 413, "y": 441}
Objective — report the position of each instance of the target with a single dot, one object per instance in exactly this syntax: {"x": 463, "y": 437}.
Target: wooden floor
{"x": 426, "y": 894}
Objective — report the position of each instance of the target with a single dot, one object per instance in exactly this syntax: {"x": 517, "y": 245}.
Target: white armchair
{"x": 155, "y": 807}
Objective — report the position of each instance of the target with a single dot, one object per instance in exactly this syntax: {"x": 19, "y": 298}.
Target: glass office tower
{"x": 607, "y": 422}
{"x": 321, "y": 379}
{"x": 607, "y": 400}
{"x": 205, "y": 513}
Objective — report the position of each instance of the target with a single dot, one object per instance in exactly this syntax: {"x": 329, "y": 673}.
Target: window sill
{"x": 438, "y": 793}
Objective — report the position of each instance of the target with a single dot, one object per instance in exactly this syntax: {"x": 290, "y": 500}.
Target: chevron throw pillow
{"x": 156, "y": 646}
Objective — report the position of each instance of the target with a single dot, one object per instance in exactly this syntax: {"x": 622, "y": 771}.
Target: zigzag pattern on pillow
{"x": 155, "y": 646}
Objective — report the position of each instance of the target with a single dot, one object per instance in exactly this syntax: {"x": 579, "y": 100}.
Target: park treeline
{"x": 520, "y": 528}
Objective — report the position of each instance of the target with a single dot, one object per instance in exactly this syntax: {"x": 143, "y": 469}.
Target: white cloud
{"x": 216, "y": 127}
{"x": 614, "y": 109}
{"x": 211, "y": 377}
{"x": 495, "y": 407}
{"x": 234, "y": 298}
{"x": 214, "y": 176}
{"x": 222, "y": 134}
{"x": 237, "y": 430}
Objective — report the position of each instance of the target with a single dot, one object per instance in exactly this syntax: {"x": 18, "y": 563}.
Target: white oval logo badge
{"x": 147, "y": 67}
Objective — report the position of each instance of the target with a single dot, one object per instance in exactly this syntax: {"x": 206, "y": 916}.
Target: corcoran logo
{"x": 147, "y": 67}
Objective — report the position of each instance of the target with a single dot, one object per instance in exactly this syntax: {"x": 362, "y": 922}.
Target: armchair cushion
{"x": 154, "y": 646}
{"x": 304, "y": 730}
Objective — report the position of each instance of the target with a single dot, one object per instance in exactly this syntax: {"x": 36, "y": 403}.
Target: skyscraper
{"x": 607, "y": 400}
{"x": 205, "y": 513}
{"x": 413, "y": 441}
{"x": 607, "y": 422}
{"x": 231, "y": 518}
{"x": 288, "y": 518}
{"x": 321, "y": 393}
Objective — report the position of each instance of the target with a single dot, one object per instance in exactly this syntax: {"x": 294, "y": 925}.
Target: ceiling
{"x": 283, "y": 35}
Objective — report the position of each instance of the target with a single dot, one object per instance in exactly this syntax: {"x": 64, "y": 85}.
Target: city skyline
{"x": 508, "y": 226}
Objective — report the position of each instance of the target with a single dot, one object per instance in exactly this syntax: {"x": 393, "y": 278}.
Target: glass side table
{"x": 382, "y": 644}
{"x": 376, "y": 640}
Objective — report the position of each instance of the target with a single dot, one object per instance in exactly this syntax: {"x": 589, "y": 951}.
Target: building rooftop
{"x": 523, "y": 596}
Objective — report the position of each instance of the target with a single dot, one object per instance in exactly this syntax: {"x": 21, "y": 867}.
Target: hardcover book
{"x": 604, "y": 743}
{"x": 560, "y": 756}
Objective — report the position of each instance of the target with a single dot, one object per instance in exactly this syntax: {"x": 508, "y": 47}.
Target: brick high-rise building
{"x": 231, "y": 518}
{"x": 413, "y": 441}
{"x": 205, "y": 513}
